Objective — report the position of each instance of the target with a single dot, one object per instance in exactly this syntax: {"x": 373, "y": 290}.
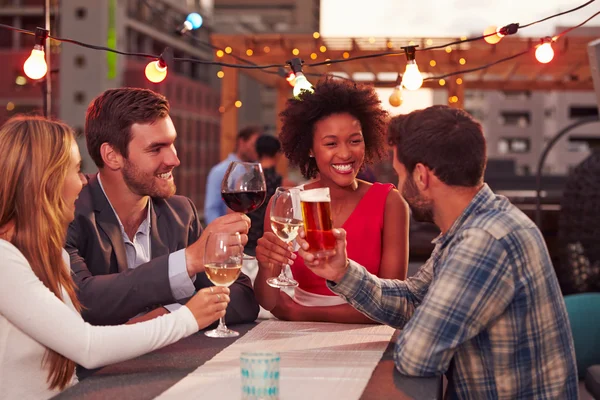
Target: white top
{"x": 33, "y": 318}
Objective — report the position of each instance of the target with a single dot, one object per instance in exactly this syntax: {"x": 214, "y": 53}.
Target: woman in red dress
{"x": 330, "y": 135}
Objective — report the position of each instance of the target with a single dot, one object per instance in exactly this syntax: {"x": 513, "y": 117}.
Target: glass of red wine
{"x": 243, "y": 188}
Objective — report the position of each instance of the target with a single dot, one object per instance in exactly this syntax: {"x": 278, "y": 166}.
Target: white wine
{"x": 223, "y": 274}
{"x": 286, "y": 228}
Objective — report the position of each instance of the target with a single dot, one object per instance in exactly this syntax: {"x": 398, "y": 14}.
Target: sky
{"x": 445, "y": 18}
{"x": 442, "y": 18}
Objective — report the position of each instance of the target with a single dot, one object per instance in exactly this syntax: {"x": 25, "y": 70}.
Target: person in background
{"x": 245, "y": 150}
{"x": 268, "y": 150}
{"x": 136, "y": 248}
{"x": 332, "y": 133}
{"x": 42, "y": 333}
{"x": 486, "y": 308}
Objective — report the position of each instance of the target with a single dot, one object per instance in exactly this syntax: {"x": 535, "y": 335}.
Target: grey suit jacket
{"x": 96, "y": 248}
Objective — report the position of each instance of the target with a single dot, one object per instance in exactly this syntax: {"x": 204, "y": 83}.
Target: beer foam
{"x": 315, "y": 195}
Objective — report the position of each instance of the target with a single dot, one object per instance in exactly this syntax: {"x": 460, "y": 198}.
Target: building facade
{"x": 80, "y": 74}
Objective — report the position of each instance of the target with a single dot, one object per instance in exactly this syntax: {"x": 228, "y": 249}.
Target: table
{"x": 147, "y": 376}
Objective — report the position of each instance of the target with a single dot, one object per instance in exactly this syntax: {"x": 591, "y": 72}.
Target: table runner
{"x": 318, "y": 361}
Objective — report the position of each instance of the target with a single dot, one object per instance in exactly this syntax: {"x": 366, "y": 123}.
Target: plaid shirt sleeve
{"x": 391, "y": 302}
{"x": 473, "y": 285}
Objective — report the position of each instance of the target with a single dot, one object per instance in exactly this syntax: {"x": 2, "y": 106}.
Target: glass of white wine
{"x": 286, "y": 220}
{"x": 223, "y": 256}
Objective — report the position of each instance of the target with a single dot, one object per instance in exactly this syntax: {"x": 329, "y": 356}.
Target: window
{"x": 517, "y": 94}
{"x": 519, "y": 119}
{"x": 514, "y": 145}
{"x": 582, "y": 111}
{"x": 6, "y": 38}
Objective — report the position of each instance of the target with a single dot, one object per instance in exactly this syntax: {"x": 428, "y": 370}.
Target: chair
{"x": 579, "y": 229}
{"x": 584, "y": 316}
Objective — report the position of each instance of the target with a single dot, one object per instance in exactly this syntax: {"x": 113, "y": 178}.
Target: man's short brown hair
{"x": 110, "y": 116}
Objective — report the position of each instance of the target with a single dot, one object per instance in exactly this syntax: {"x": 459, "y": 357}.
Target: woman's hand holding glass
{"x": 273, "y": 253}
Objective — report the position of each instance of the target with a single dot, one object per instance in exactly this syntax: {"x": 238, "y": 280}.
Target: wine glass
{"x": 286, "y": 219}
{"x": 243, "y": 188}
{"x": 223, "y": 257}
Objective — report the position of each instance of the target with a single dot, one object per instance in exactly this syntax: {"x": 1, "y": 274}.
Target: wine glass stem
{"x": 222, "y": 327}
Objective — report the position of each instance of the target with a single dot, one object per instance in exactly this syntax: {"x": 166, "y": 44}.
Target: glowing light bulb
{"x": 396, "y": 97}
{"x": 195, "y": 20}
{"x": 412, "y": 79}
{"x": 302, "y": 84}
{"x": 291, "y": 79}
{"x": 494, "y": 37}
{"x": 544, "y": 53}
{"x": 156, "y": 71}
{"x": 35, "y": 67}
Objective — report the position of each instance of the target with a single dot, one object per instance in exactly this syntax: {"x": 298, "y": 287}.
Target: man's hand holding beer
{"x": 332, "y": 267}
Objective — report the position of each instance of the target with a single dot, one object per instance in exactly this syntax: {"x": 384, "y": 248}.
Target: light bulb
{"x": 291, "y": 79}
{"x": 396, "y": 97}
{"x": 155, "y": 72}
{"x": 544, "y": 53}
{"x": 35, "y": 67}
{"x": 494, "y": 37}
{"x": 302, "y": 84}
{"x": 195, "y": 20}
{"x": 412, "y": 79}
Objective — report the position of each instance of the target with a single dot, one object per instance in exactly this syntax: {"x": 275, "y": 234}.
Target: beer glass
{"x": 223, "y": 257}
{"x": 316, "y": 216}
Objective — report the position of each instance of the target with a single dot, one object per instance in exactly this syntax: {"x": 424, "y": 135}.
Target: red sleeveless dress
{"x": 364, "y": 237}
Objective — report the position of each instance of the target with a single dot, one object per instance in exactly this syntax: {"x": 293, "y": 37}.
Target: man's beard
{"x": 421, "y": 208}
{"x": 146, "y": 184}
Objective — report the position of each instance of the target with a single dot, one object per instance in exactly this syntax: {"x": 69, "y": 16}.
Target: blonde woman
{"x": 42, "y": 334}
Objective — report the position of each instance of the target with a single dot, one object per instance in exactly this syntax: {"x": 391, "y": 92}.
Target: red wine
{"x": 244, "y": 202}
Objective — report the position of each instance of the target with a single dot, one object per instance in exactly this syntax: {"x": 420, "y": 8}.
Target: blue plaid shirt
{"x": 486, "y": 309}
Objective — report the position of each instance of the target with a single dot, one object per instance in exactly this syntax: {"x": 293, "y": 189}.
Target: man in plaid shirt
{"x": 486, "y": 308}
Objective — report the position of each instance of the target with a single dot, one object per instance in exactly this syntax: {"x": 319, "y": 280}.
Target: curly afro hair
{"x": 331, "y": 96}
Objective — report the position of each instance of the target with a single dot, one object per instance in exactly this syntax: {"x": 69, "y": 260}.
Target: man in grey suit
{"x": 137, "y": 249}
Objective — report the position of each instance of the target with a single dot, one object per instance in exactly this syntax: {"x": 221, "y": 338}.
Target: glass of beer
{"x": 316, "y": 216}
{"x": 223, "y": 258}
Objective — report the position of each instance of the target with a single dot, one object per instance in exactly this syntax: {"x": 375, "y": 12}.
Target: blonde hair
{"x": 35, "y": 157}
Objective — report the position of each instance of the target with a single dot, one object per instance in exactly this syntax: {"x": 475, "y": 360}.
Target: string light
{"x": 301, "y": 84}
{"x": 544, "y": 50}
{"x": 156, "y": 71}
{"x": 442, "y": 82}
{"x": 192, "y": 22}
{"x": 462, "y": 61}
{"x": 432, "y": 63}
{"x": 313, "y": 56}
{"x": 220, "y": 74}
{"x": 249, "y": 52}
{"x": 411, "y": 79}
{"x": 322, "y": 49}
{"x": 316, "y": 35}
{"x": 544, "y": 53}
{"x": 238, "y": 104}
{"x": 346, "y": 55}
{"x": 266, "y": 49}
{"x": 295, "y": 52}
{"x": 492, "y": 34}
{"x": 35, "y": 66}
{"x": 459, "y": 81}
{"x": 396, "y": 96}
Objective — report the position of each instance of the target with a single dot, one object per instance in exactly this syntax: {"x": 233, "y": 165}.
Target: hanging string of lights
{"x": 156, "y": 70}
